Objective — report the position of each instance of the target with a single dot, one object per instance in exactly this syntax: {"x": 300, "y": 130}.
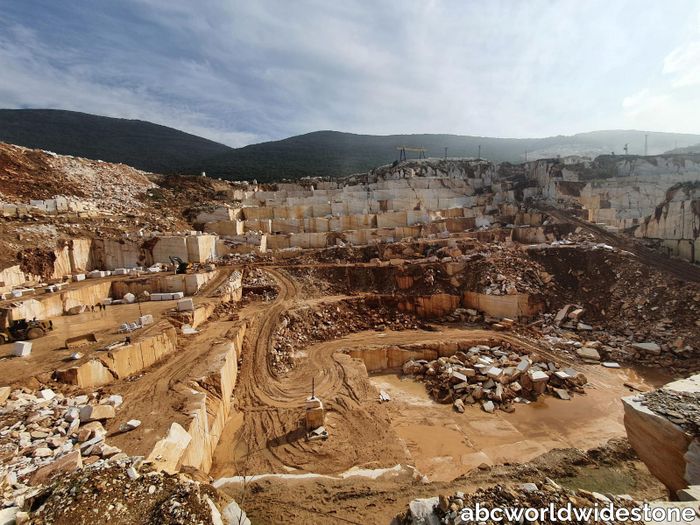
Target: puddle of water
{"x": 445, "y": 444}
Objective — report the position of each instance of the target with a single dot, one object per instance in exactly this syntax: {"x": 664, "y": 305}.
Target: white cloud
{"x": 670, "y": 102}
{"x": 241, "y": 71}
{"x": 683, "y": 65}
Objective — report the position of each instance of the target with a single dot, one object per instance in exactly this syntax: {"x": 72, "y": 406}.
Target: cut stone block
{"x": 651, "y": 348}
{"x": 96, "y": 412}
{"x": 22, "y": 348}
{"x": 185, "y": 305}
{"x": 588, "y": 353}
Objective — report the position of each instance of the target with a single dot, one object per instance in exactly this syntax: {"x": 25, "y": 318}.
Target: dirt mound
{"x": 109, "y": 494}
{"x": 306, "y": 326}
{"x": 37, "y": 261}
{"x": 35, "y": 174}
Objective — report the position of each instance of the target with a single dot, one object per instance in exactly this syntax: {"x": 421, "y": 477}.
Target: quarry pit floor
{"x": 266, "y": 435}
{"x": 445, "y": 444}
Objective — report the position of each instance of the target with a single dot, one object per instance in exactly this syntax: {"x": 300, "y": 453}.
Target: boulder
{"x": 421, "y": 511}
{"x": 649, "y": 348}
{"x": 5, "y": 392}
{"x": 234, "y": 515}
{"x": 47, "y": 394}
{"x": 8, "y": 516}
{"x": 64, "y": 465}
{"x": 129, "y": 425}
{"x": 115, "y": 400}
{"x": 168, "y": 452}
{"x": 96, "y": 412}
{"x": 588, "y": 353}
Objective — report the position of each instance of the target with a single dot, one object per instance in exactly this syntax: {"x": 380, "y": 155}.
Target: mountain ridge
{"x": 139, "y": 143}
{"x": 330, "y": 153}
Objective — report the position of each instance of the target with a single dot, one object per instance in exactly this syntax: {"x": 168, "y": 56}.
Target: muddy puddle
{"x": 445, "y": 444}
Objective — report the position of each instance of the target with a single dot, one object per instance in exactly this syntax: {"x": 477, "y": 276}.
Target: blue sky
{"x": 243, "y": 72}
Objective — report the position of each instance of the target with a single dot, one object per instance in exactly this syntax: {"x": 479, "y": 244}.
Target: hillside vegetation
{"x": 152, "y": 147}
{"x": 140, "y": 144}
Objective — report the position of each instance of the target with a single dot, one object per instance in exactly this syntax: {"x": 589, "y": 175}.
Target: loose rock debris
{"x": 301, "y": 328}
{"x": 449, "y": 508}
{"x": 681, "y": 408}
{"x": 494, "y": 377}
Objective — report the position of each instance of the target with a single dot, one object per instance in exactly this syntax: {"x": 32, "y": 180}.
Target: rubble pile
{"x": 637, "y": 313}
{"x": 47, "y": 433}
{"x": 301, "y": 328}
{"x": 100, "y": 185}
{"x": 253, "y": 277}
{"x": 510, "y": 272}
{"x": 448, "y": 508}
{"x": 494, "y": 377}
{"x": 126, "y": 491}
{"x": 681, "y": 408}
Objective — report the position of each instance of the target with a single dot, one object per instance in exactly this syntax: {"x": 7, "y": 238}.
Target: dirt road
{"x": 270, "y": 436}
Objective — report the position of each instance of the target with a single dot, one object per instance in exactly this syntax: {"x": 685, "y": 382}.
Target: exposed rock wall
{"x": 676, "y": 222}
{"x": 209, "y": 409}
{"x": 391, "y": 358}
{"x": 658, "y": 195}
{"x": 670, "y": 453}
{"x": 512, "y": 306}
{"x": 59, "y": 303}
{"x": 105, "y": 367}
{"x": 189, "y": 284}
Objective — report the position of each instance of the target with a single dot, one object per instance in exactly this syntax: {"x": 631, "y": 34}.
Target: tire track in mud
{"x": 271, "y": 437}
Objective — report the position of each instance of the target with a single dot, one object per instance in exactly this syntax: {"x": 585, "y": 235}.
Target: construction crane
{"x": 404, "y": 149}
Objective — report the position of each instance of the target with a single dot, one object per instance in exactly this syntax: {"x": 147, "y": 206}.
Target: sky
{"x": 241, "y": 72}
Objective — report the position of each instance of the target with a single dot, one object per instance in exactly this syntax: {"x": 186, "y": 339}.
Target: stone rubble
{"x": 447, "y": 508}
{"x": 681, "y": 408}
{"x": 47, "y": 433}
{"x": 303, "y": 327}
{"x": 494, "y": 377}
{"x": 55, "y": 466}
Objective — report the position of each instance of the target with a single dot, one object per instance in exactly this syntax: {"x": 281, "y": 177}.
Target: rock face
{"x": 168, "y": 452}
{"x": 658, "y": 195}
{"x": 671, "y": 453}
{"x": 676, "y": 222}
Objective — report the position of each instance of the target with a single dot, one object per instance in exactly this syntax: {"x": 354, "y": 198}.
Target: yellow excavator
{"x": 22, "y": 329}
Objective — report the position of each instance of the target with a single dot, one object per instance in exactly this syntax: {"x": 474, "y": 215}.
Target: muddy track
{"x": 271, "y": 436}
{"x": 679, "y": 269}
{"x": 153, "y": 396}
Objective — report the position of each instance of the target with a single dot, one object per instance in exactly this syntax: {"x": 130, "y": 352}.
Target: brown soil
{"x": 366, "y": 501}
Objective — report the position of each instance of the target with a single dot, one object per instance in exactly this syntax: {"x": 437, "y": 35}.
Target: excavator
{"x": 180, "y": 265}
{"x": 22, "y": 329}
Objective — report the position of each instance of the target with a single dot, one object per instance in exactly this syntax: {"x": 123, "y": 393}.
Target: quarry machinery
{"x": 22, "y": 329}
{"x": 404, "y": 149}
{"x": 180, "y": 265}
